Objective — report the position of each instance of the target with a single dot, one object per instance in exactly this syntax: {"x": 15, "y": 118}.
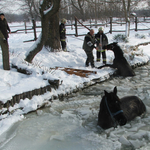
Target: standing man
{"x": 88, "y": 47}
{"x": 102, "y": 40}
{"x": 4, "y": 29}
{"x": 62, "y": 31}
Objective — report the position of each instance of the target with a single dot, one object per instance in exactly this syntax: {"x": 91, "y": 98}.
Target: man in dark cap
{"x": 88, "y": 46}
{"x": 4, "y": 29}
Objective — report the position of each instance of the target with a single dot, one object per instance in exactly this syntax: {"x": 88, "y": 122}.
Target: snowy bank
{"x": 43, "y": 67}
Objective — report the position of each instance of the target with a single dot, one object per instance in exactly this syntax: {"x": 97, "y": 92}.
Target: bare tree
{"x": 49, "y": 9}
{"x": 3, "y": 5}
{"x": 79, "y": 5}
{"x": 31, "y": 7}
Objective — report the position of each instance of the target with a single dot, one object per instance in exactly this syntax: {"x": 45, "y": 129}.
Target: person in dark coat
{"x": 4, "y": 29}
{"x": 88, "y": 46}
{"x": 102, "y": 40}
{"x": 62, "y": 32}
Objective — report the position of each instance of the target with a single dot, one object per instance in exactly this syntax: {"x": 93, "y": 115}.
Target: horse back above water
{"x": 114, "y": 111}
{"x": 119, "y": 62}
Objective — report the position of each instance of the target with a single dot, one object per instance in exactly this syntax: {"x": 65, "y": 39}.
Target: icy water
{"x": 72, "y": 124}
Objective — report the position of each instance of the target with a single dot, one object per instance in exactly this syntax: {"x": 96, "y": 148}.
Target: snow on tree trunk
{"x": 48, "y": 9}
{"x": 127, "y": 27}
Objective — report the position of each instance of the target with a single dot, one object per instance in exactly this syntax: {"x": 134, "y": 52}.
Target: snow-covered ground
{"x": 14, "y": 83}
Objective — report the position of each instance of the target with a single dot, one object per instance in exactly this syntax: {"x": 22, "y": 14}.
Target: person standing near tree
{"x": 62, "y": 31}
{"x": 88, "y": 46}
{"x": 4, "y": 29}
{"x": 102, "y": 40}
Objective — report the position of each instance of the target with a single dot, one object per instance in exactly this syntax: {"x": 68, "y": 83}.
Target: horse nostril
{"x": 122, "y": 122}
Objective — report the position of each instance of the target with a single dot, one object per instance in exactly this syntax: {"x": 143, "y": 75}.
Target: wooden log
{"x": 36, "y": 92}
{"x": 54, "y": 83}
{"x": 78, "y": 72}
{"x": 7, "y": 104}
{"x": 33, "y": 93}
{"x": 30, "y": 94}
{"x": 45, "y": 89}
{"x": 48, "y": 87}
{"x": 24, "y": 95}
{"x": 13, "y": 101}
{"x": 39, "y": 91}
{"x": 17, "y": 98}
{"x": 1, "y": 105}
{"x": 21, "y": 96}
{"x": 21, "y": 70}
{"x": 42, "y": 91}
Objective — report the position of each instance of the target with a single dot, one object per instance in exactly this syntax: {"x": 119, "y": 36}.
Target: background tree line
{"x": 83, "y": 9}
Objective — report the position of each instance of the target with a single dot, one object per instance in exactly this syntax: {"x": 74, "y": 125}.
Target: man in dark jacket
{"x": 102, "y": 40}
{"x": 62, "y": 31}
{"x": 4, "y": 29}
{"x": 88, "y": 47}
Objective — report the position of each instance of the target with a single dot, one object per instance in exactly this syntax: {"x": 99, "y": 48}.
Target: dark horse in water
{"x": 119, "y": 62}
{"x": 114, "y": 111}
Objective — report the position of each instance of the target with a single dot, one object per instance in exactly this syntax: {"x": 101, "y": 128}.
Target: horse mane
{"x": 102, "y": 104}
{"x": 118, "y": 52}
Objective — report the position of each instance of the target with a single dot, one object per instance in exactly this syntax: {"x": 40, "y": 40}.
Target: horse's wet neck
{"x": 118, "y": 53}
{"x": 104, "y": 110}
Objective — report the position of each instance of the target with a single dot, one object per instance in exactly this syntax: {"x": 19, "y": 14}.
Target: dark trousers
{"x": 103, "y": 56}
{"x": 5, "y": 53}
{"x": 63, "y": 44}
{"x": 90, "y": 59}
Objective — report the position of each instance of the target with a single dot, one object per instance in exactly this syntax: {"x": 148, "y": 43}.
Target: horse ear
{"x": 115, "y": 90}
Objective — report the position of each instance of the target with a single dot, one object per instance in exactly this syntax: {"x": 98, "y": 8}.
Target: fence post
{"x": 95, "y": 23}
{"x": 110, "y": 25}
{"x": 76, "y": 28}
{"x": 90, "y": 23}
{"x": 34, "y": 29}
{"x": 136, "y": 23}
{"x": 25, "y": 26}
{"x": 144, "y": 19}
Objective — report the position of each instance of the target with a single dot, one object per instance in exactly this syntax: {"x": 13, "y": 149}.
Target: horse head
{"x": 112, "y": 110}
{"x": 110, "y": 46}
{"x": 115, "y": 48}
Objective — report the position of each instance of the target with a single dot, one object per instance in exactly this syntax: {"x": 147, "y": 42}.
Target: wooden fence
{"x": 74, "y": 25}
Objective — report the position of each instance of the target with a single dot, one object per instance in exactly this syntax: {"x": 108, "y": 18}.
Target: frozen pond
{"x": 72, "y": 123}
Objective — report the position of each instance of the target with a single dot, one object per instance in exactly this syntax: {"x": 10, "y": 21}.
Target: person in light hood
{"x": 102, "y": 40}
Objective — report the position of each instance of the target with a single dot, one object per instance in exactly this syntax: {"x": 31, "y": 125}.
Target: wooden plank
{"x": 78, "y": 72}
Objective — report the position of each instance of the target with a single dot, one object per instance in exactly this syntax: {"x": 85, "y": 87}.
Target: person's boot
{"x": 86, "y": 65}
{"x": 104, "y": 61}
{"x": 92, "y": 65}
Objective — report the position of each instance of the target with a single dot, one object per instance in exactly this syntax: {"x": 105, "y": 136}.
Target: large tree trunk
{"x": 53, "y": 41}
{"x": 48, "y": 10}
